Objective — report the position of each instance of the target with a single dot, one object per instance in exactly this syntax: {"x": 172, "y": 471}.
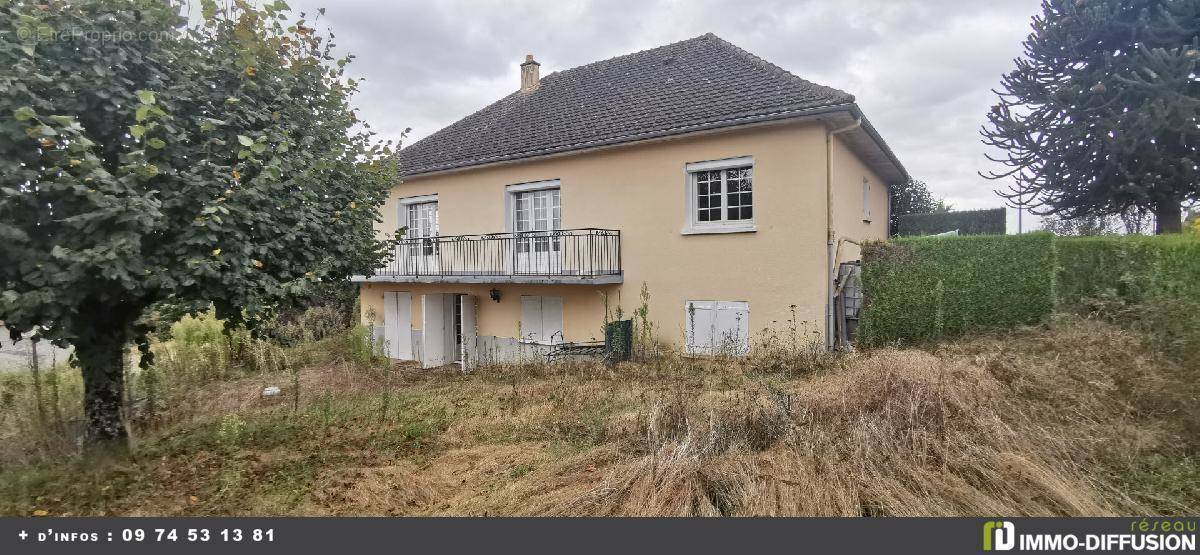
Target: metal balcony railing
{"x": 566, "y": 253}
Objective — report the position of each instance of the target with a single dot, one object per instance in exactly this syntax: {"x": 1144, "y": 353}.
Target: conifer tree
{"x": 1100, "y": 115}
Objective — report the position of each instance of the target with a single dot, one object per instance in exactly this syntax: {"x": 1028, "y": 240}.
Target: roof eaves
{"x": 875, "y": 136}
{"x": 635, "y": 137}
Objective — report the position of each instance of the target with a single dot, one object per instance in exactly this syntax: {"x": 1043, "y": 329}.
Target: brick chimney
{"x": 529, "y": 74}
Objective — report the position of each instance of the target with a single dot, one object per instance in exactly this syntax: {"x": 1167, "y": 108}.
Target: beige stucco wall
{"x": 583, "y": 306}
{"x": 848, "y": 223}
{"x": 640, "y": 190}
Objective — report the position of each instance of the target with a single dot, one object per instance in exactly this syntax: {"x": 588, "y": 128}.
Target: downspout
{"x": 830, "y": 256}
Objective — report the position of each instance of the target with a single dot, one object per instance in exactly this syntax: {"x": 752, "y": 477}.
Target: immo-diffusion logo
{"x": 1143, "y": 535}
{"x": 999, "y": 535}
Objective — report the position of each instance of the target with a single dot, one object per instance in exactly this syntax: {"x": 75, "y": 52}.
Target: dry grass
{"x": 896, "y": 433}
{"x": 1057, "y": 421}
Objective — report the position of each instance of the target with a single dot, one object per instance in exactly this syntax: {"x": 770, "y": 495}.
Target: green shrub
{"x": 1135, "y": 268}
{"x": 967, "y": 222}
{"x": 359, "y": 347}
{"x": 314, "y": 324}
{"x": 196, "y": 331}
{"x": 919, "y": 289}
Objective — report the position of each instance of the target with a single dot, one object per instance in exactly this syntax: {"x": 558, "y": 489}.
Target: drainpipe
{"x": 830, "y": 256}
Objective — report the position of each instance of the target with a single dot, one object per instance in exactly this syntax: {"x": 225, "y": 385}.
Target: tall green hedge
{"x": 967, "y": 222}
{"x": 923, "y": 288}
{"x": 1135, "y": 267}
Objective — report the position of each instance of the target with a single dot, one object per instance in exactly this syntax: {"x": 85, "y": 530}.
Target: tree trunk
{"x": 35, "y": 369}
{"x": 103, "y": 386}
{"x": 1168, "y": 217}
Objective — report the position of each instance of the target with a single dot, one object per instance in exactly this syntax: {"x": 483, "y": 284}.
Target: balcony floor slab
{"x": 527, "y": 280}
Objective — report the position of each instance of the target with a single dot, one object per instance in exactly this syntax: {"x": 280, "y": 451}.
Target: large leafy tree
{"x": 145, "y": 161}
{"x": 1100, "y": 115}
{"x": 912, "y": 197}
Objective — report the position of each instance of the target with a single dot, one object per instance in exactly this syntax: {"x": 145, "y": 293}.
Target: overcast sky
{"x": 922, "y": 70}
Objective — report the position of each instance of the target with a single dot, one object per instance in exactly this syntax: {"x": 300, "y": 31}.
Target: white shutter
{"x": 397, "y": 325}
{"x": 866, "y": 199}
{"x": 531, "y": 318}
{"x": 717, "y": 327}
{"x": 391, "y": 325}
{"x": 470, "y": 335}
{"x": 552, "y": 319}
{"x": 733, "y": 327}
{"x": 698, "y": 320}
{"x": 541, "y": 319}
{"x": 433, "y": 330}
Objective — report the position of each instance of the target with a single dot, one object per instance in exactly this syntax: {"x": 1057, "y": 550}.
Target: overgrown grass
{"x": 1077, "y": 417}
{"x": 41, "y": 414}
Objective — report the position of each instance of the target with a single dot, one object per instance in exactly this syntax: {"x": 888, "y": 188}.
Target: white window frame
{"x": 541, "y": 251}
{"x": 404, "y": 204}
{"x": 692, "y": 225}
{"x": 402, "y": 207}
{"x": 866, "y": 188}
{"x": 510, "y": 197}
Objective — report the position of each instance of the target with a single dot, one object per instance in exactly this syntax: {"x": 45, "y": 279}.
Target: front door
{"x": 397, "y": 325}
{"x": 536, "y": 219}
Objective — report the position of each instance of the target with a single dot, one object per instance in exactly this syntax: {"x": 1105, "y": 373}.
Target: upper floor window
{"x": 537, "y": 210}
{"x": 535, "y": 213}
{"x": 720, "y": 196}
{"x": 421, "y": 218}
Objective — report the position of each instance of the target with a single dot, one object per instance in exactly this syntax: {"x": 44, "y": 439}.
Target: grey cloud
{"x": 921, "y": 69}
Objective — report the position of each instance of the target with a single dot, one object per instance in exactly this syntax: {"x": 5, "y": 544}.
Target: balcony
{"x": 581, "y": 256}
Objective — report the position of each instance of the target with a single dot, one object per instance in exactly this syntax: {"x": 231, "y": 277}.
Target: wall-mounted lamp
{"x": 494, "y": 294}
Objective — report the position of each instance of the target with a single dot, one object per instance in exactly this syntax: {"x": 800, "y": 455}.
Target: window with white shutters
{"x": 717, "y": 327}
{"x": 541, "y": 319}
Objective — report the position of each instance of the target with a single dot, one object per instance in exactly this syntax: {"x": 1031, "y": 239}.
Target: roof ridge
{"x": 619, "y": 56}
{"x": 756, "y": 59}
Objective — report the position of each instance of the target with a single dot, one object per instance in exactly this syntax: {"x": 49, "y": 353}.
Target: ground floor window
{"x": 541, "y": 319}
{"x": 717, "y": 327}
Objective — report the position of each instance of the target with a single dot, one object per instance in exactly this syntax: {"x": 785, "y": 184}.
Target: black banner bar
{"x": 661, "y": 536}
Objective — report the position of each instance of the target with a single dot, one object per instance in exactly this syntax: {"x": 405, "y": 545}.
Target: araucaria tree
{"x": 144, "y": 161}
{"x": 1100, "y": 115}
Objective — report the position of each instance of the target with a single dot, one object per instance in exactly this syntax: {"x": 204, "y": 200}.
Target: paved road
{"x": 16, "y": 356}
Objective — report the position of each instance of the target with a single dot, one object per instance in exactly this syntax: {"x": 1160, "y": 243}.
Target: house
{"x": 726, "y": 185}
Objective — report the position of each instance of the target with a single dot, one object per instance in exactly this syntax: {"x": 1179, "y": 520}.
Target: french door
{"x": 536, "y": 220}
{"x": 422, "y": 255}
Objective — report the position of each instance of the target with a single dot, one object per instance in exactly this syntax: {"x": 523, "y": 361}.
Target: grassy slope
{"x": 1077, "y": 418}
